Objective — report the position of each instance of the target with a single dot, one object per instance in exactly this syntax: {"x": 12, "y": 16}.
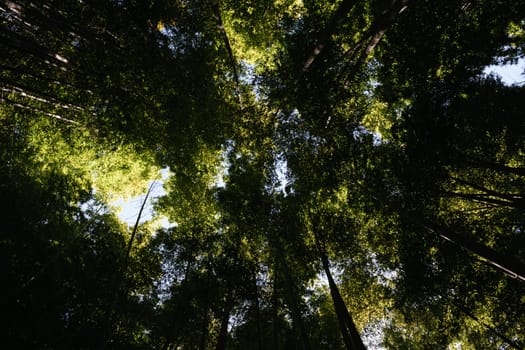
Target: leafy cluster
{"x": 342, "y": 175}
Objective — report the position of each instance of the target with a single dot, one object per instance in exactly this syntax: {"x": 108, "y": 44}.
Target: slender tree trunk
{"x": 500, "y": 335}
{"x": 204, "y": 329}
{"x": 349, "y": 331}
{"x": 33, "y": 13}
{"x": 374, "y": 35}
{"x": 205, "y": 321}
{"x": 485, "y": 199}
{"x": 480, "y": 163}
{"x": 508, "y": 264}
{"x": 257, "y": 314}
{"x": 36, "y": 110}
{"x": 292, "y": 299}
{"x": 27, "y": 45}
{"x": 220, "y": 25}
{"x": 275, "y": 310}
{"x": 223, "y": 332}
{"x": 324, "y": 37}
{"x": 174, "y": 334}
{"x": 30, "y": 93}
{"x": 37, "y": 76}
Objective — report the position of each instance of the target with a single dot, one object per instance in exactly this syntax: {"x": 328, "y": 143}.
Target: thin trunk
{"x": 204, "y": 330}
{"x": 275, "y": 310}
{"x": 325, "y": 35}
{"x": 42, "y": 99}
{"x": 507, "y": 264}
{"x": 485, "y": 199}
{"x": 135, "y": 227}
{"x": 220, "y": 25}
{"x": 120, "y": 274}
{"x": 30, "y": 46}
{"x": 292, "y": 299}
{"x": 500, "y": 335}
{"x": 223, "y": 332}
{"x": 53, "y": 21}
{"x": 258, "y": 314}
{"x": 44, "y": 77}
{"x": 485, "y": 164}
{"x": 173, "y": 336}
{"x": 36, "y": 110}
{"x": 374, "y": 35}
{"x": 506, "y": 196}
{"x": 349, "y": 331}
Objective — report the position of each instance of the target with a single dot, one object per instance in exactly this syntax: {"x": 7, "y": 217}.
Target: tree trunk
{"x": 36, "y": 110}
{"x": 488, "y": 192}
{"x": 205, "y": 321}
{"x": 223, "y": 332}
{"x": 374, "y": 35}
{"x": 258, "y": 314}
{"x": 29, "y": 46}
{"x": 351, "y": 336}
{"x": 174, "y": 335}
{"x": 508, "y": 264}
{"x": 482, "y": 198}
{"x": 336, "y": 20}
{"x": 292, "y": 299}
{"x": 480, "y": 163}
{"x": 275, "y": 310}
{"x": 500, "y": 335}
{"x": 220, "y": 25}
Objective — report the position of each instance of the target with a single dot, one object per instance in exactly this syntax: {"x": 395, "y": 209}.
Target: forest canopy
{"x": 337, "y": 175}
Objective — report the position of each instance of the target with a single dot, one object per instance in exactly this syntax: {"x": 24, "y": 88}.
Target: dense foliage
{"x": 341, "y": 175}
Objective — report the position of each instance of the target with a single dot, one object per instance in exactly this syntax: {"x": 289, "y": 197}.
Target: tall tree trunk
{"x": 480, "y": 163}
{"x": 36, "y": 110}
{"x": 324, "y": 37}
{"x": 233, "y": 62}
{"x": 374, "y": 34}
{"x": 18, "y": 42}
{"x": 349, "y": 331}
{"x": 293, "y": 300}
{"x": 500, "y": 335}
{"x": 223, "y": 332}
{"x": 513, "y": 197}
{"x": 37, "y": 76}
{"x": 204, "y": 329}
{"x": 483, "y": 198}
{"x": 174, "y": 334}
{"x": 257, "y": 314}
{"x": 275, "y": 310}
{"x": 505, "y": 263}
{"x": 508, "y": 264}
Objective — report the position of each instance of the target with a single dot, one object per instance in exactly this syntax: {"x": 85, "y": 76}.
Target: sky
{"x": 510, "y": 73}
{"x": 129, "y": 209}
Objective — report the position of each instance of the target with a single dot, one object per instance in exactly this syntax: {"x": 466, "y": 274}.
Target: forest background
{"x": 336, "y": 175}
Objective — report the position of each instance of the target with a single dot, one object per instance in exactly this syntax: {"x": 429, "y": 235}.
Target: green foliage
{"x": 307, "y": 141}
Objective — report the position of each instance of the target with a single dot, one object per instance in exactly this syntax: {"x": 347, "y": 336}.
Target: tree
{"x": 341, "y": 175}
